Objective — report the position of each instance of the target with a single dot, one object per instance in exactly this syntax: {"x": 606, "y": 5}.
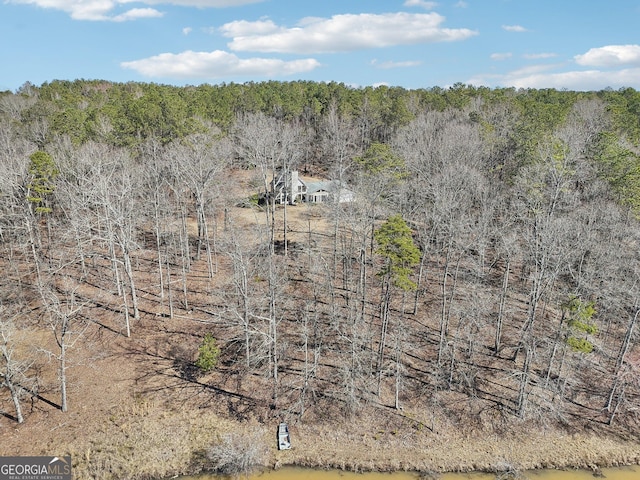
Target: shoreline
{"x": 552, "y": 450}
{"x": 153, "y": 442}
{"x": 163, "y": 444}
{"x": 164, "y": 431}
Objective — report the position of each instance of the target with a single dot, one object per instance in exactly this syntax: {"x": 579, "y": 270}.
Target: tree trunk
{"x": 132, "y": 284}
{"x": 63, "y": 372}
{"x": 169, "y": 288}
{"x": 285, "y": 244}
{"x": 398, "y": 373}
{"x": 421, "y": 272}
{"x": 201, "y": 222}
{"x": 384, "y": 326}
{"x": 524, "y": 382}
{"x": 556, "y": 342}
{"x": 447, "y": 298}
{"x": 14, "y": 390}
{"x": 501, "y": 307}
{"x": 618, "y": 367}
{"x": 156, "y": 216}
{"x": 125, "y": 305}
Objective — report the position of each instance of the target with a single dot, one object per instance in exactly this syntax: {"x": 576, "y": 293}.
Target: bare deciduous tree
{"x": 197, "y": 162}
{"x": 13, "y": 365}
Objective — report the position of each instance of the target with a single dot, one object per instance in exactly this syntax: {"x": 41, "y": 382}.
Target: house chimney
{"x": 293, "y": 186}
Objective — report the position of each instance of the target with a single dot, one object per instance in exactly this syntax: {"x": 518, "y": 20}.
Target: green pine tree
{"x": 208, "y": 353}
{"x": 43, "y": 173}
{"x": 395, "y": 244}
{"x": 581, "y": 325}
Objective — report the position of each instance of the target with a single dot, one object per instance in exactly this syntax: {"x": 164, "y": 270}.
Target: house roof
{"x": 327, "y": 186}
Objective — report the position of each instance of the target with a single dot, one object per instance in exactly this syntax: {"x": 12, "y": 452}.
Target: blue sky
{"x": 577, "y": 45}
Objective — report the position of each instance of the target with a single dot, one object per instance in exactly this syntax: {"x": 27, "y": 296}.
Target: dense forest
{"x": 488, "y": 267}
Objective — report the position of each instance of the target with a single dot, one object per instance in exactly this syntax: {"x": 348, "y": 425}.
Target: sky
{"x": 562, "y": 44}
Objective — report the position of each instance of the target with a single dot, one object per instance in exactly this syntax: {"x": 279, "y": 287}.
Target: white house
{"x": 290, "y": 188}
{"x": 328, "y": 191}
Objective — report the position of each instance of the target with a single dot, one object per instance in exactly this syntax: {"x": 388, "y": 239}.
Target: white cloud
{"x": 137, "y": 13}
{"x": 421, "y": 3}
{"x": 187, "y": 30}
{"x": 514, "y": 28}
{"x": 102, "y": 10}
{"x": 201, "y": 3}
{"x": 543, "y": 76}
{"x": 461, "y": 4}
{"x": 581, "y": 80}
{"x": 241, "y": 28}
{"x": 342, "y": 33}
{"x": 532, "y": 70}
{"x": 539, "y": 56}
{"x": 501, "y": 56}
{"x": 388, "y": 65}
{"x": 216, "y": 64}
{"x": 83, "y": 10}
{"x": 610, "y": 56}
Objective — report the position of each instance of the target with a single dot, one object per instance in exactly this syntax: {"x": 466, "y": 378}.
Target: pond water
{"x": 291, "y": 473}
